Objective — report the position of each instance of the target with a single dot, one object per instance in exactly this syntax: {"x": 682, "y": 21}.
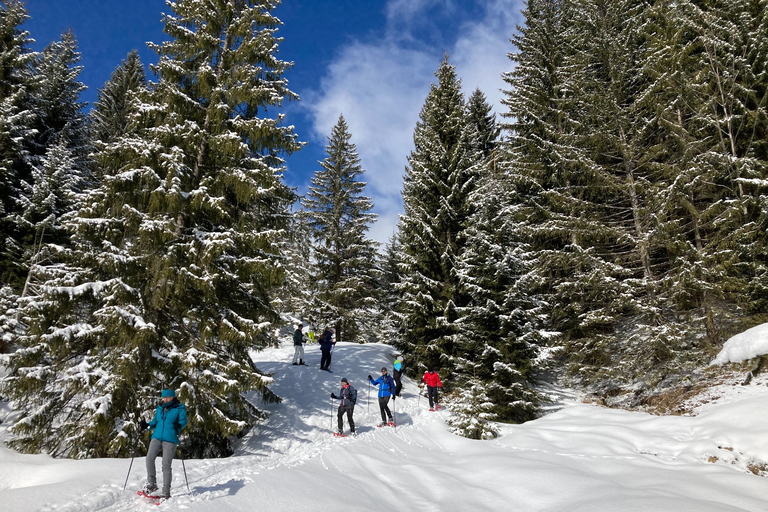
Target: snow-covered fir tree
{"x": 390, "y": 298}
{"x": 472, "y": 412}
{"x": 440, "y": 176}
{"x": 176, "y": 252}
{"x": 499, "y": 327}
{"x": 56, "y": 100}
{"x": 338, "y": 216}
{"x": 16, "y": 127}
{"x": 110, "y": 117}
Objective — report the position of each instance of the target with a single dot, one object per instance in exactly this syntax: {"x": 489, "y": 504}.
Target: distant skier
{"x": 433, "y": 382}
{"x": 326, "y": 344}
{"x": 386, "y": 390}
{"x": 397, "y": 374}
{"x": 348, "y": 397}
{"x": 298, "y": 344}
{"x": 170, "y": 418}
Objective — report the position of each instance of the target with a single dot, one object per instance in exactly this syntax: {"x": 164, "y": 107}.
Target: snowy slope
{"x": 580, "y": 458}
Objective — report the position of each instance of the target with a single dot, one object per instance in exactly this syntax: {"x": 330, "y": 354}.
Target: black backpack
{"x": 352, "y": 394}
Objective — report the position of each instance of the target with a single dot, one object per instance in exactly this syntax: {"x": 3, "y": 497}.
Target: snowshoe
{"x": 431, "y": 409}
{"x": 381, "y": 424}
{"x": 149, "y": 488}
{"x": 339, "y": 434}
{"x": 391, "y": 424}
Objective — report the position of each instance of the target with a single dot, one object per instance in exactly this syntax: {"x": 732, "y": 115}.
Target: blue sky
{"x": 372, "y": 60}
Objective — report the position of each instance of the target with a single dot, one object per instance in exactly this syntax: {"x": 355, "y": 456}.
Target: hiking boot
{"x": 149, "y": 488}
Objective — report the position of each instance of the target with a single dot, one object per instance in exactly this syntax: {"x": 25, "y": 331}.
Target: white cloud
{"x": 480, "y": 52}
{"x": 380, "y": 88}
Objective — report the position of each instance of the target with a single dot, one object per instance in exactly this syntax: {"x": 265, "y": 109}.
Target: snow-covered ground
{"x": 579, "y": 458}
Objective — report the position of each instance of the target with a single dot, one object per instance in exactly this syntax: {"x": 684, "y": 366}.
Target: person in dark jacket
{"x": 397, "y": 374}
{"x": 170, "y": 418}
{"x": 433, "y": 382}
{"x": 326, "y": 344}
{"x": 386, "y": 389}
{"x": 298, "y": 345}
{"x": 348, "y": 397}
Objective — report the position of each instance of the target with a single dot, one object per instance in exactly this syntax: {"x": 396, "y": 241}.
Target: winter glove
{"x": 370, "y": 378}
{"x": 333, "y": 395}
{"x": 143, "y": 425}
{"x": 176, "y": 426}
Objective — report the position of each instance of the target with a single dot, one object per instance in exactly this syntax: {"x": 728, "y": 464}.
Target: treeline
{"x": 611, "y": 228}
{"x": 638, "y": 155}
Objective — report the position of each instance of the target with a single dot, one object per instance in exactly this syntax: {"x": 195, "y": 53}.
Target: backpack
{"x": 352, "y": 394}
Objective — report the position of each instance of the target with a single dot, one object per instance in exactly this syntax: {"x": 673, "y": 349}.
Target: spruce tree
{"x": 439, "y": 179}
{"x": 109, "y": 119}
{"x": 16, "y": 127}
{"x": 338, "y": 217}
{"x": 56, "y": 100}
{"x": 176, "y": 253}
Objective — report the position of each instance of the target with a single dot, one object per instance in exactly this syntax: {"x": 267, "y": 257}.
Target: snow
{"x": 580, "y": 457}
{"x": 745, "y": 345}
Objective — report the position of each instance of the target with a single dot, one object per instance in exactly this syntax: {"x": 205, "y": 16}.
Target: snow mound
{"x": 746, "y": 345}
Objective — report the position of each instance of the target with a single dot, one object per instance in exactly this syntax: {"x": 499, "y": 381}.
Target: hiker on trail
{"x": 433, "y": 382}
{"x": 348, "y": 397}
{"x": 386, "y": 390}
{"x": 170, "y": 418}
{"x": 326, "y": 344}
{"x": 397, "y": 374}
{"x": 298, "y": 344}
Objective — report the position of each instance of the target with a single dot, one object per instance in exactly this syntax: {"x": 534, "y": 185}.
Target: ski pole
{"x": 129, "y": 473}
{"x": 368, "y": 400}
{"x": 181, "y": 456}
{"x": 394, "y": 413}
{"x": 331, "y": 414}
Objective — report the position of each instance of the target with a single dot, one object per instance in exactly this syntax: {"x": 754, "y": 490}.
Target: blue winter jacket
{"x": 169, "y": 419}
{"x": 386, "y": 385}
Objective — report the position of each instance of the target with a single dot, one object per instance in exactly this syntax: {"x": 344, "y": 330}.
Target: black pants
{"x": 325, "y": 359}
{"x": 432, "y": 394}
{"x": 383, "y": 401}
{"x": 398, "y": 385}
{"x": 349, "y": 409}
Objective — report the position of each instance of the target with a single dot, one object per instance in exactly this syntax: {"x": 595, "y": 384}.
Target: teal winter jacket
{"x": 169, "y": 419}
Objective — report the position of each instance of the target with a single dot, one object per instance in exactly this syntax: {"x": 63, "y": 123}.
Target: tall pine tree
{"x": 169, "y": 282}
{"x": 439, "y": 179}
{"x": 338, "y": 217}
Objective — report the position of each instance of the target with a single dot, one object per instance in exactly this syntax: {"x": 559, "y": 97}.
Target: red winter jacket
{"x": 432, "y": 379}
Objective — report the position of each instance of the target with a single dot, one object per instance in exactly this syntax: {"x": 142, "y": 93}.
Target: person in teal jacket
{"x": 170, "y": 418}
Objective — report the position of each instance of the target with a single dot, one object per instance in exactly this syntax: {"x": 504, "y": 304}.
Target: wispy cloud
{"x": 380, "y": 88}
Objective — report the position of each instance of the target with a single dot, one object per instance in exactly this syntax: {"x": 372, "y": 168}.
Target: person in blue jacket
{"x": 386, "y": 390}
{"x": 170, "y": 418}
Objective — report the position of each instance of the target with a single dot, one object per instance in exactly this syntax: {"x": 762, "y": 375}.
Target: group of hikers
{"x": 326, "y": 346}
{"x": 171, "y": 416}
{"x": 389, "y": 388}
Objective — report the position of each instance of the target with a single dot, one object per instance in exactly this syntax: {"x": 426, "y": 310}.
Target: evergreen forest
{"x": 608, "y": 230}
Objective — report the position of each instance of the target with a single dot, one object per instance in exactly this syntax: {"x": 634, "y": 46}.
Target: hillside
{"x": 580, "y": 457}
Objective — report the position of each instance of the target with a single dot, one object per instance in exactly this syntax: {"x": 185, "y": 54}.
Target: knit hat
{"x": 168, "y": 393}
{"x": 344, "y": 379}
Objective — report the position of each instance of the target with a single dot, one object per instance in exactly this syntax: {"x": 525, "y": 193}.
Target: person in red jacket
{"x": 433, "y": 382}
